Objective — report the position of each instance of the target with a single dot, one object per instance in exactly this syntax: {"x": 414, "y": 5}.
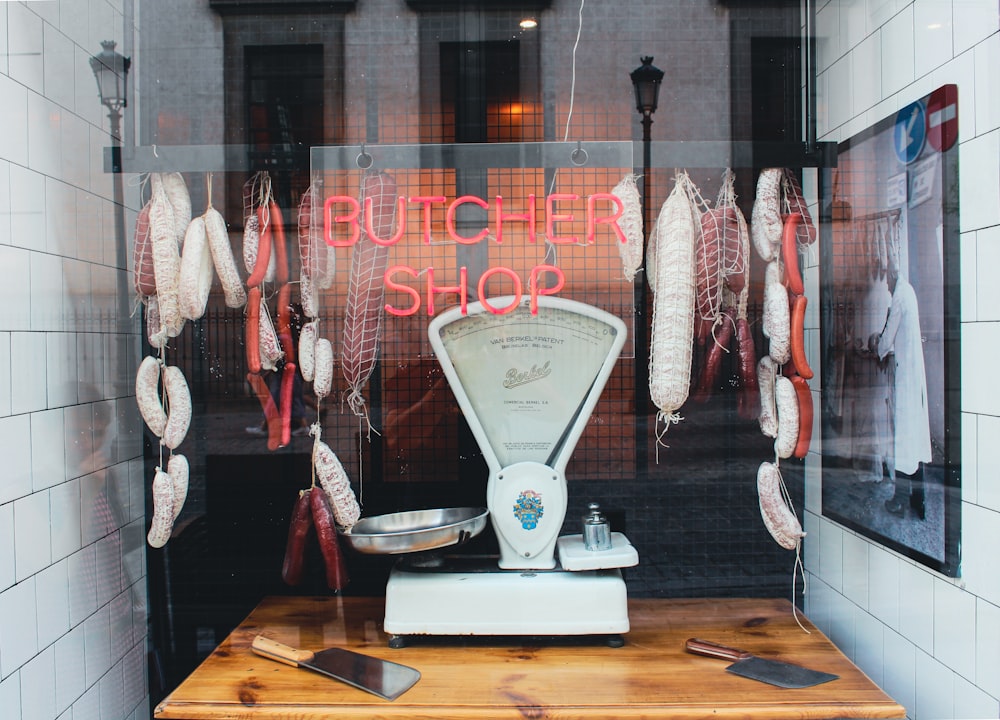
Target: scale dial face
{"x": 528, "y": 383}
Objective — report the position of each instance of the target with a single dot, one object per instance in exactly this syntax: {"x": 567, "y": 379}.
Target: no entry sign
{"x": 942, "y": 117}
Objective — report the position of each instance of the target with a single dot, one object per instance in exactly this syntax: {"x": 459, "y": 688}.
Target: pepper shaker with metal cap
{"x": 596, "y": 530}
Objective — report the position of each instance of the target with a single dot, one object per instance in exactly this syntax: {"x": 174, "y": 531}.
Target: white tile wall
{"x": 932, "y": 642}
{"x": 72, "y": 632}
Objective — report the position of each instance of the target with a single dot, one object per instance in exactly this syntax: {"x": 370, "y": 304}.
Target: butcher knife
{"x": 386, "y": 679}
{"x": 748, "y": 665}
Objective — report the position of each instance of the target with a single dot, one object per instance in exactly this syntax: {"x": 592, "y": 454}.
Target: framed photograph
{"x": 890, "y": 333}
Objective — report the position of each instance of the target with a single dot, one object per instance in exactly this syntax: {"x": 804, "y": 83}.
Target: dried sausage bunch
{"x": 723, "y": 269}
{"x": 269, "y": 345}
{"x": 780, "y": 225}
{"x": 326, "y": 507}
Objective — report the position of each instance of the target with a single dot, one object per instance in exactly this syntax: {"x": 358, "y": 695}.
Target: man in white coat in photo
{"x": 901, "y": 338}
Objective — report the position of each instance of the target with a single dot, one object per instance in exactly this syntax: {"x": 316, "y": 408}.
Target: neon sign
{"x": 345, "y": 218}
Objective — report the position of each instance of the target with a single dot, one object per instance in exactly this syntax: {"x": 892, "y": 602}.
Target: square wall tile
{"x": 109, "y": 568}
{"x": 972, "y": 702}
{"x": 38, "y": 680}
{"x": 831, "y": 554}
{"x": 60, "y": 219}
{"x": 46, "y": 292}
{"x": 932, "y": 34}
{"x": 18, "y": 626}
{"x": 6, "y": 545}
{"x": 97, "y": 639}
{"x": 90, "y": 366}
{"x": 916, "y": 607}
{"x": 58, "y": 72}
{"x": 980, "y": 539}
{"x": 14, "y": 120}
{"x": 70, "y": 654}
{"x": 48, "y": 459}
{"x": 96, "y": 517}
{"x": 15, "y": 449}
{"x": 986, "y": 57}
{"x": 866, "y": 74}
{"x": 33, "y": 546}
{"x": 62, "y": 379}
{"x": 935, "y": 693}
{"x": 64, "y": 507}
{"x": 987, "y": 462}
{"x": 868, "y": 650}
{"x": 980, "y": 394}
{"x": 52, "y": 590}
{"x": 954, "y": 627}
{"x": 76, "y": 274}
{"x": 987, "y": 250}
{"x": 5, "y": 204}
{"x": 975, "y": 20}
{"x": 15, "y": 288}
{"x": 10, "y": 693}
{"x": 30, "y": 393}
{"x": 883, "y": 586}
{"x": 855, "y": 554}
{"x": 112, "y": 688}
{"x": 82, "y": 584}
{"x": 896, "y": 38}
{"x": 122, "y": 639}
{"x": 988, "y": 647}
{"x": 27, "y": 202}
{"x": 45, "y": 120}
{"x": 134, "y": 676}
{"x": 25, "y": 46}
{"x": 5, "y": 377}
{"x": 78, "y": 422}
{"x": 979, "y": 182}
{"x": 899, "y": 674}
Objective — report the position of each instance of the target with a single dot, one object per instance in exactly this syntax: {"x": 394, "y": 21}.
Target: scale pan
{"x": 416, "y": 530}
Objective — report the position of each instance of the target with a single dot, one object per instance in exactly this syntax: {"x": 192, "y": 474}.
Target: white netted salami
{"x": 631, "y": 225}
{"x": 196, "y": 271}
{"x": 765, "y": 217}
{"x": 674, "y": 305}
{"x": 166, "y": 258}
{"x": 366, "y": 290}
{"x": 180, "y": 201}
{"x": 314, "y": 254}
{"x": 222, "y": 256}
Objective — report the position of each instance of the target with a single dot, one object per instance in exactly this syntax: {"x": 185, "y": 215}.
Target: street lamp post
{"x": 111, "y": 72}
{"x": 646, "y": 81}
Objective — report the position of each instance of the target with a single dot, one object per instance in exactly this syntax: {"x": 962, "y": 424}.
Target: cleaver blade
{"x": 774, "y": 672}
{"x": 386, "y": 679}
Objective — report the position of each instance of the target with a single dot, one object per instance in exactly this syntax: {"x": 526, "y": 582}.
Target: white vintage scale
{"x": 527, "y": 384}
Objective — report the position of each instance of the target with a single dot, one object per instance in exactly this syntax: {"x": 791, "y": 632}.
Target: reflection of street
{"x": 847, "y": 498}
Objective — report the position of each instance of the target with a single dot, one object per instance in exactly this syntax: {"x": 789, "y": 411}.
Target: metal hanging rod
{"x": 475, "y": 156}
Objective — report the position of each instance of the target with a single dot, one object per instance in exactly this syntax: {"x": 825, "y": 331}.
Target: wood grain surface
{"x": 496, "y": 678}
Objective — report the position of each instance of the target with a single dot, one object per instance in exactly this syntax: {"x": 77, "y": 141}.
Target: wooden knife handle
{"x": 711, "y": 649}
{"x": 274, "y": 650}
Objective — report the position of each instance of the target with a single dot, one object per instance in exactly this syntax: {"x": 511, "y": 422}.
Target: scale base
{"x": 505, "y": 602}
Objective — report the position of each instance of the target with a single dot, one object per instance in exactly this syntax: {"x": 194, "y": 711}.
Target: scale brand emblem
{"x": 528, "y": 509}
{"x": 515, "y": 377}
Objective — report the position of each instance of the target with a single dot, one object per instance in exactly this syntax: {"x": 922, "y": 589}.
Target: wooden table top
{"x": 478, "y": 678}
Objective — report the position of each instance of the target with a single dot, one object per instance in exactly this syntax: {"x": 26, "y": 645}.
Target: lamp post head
{"x": 111, "y": 72}
{"x": 646, "y": 81}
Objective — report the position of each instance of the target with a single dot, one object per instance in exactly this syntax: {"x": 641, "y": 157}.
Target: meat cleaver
{"x": 386, "y": 679}
{"x": 748, "y": 665}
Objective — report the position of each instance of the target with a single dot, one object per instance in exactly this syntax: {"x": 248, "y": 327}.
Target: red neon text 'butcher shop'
{"x": 354, "y": 219}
